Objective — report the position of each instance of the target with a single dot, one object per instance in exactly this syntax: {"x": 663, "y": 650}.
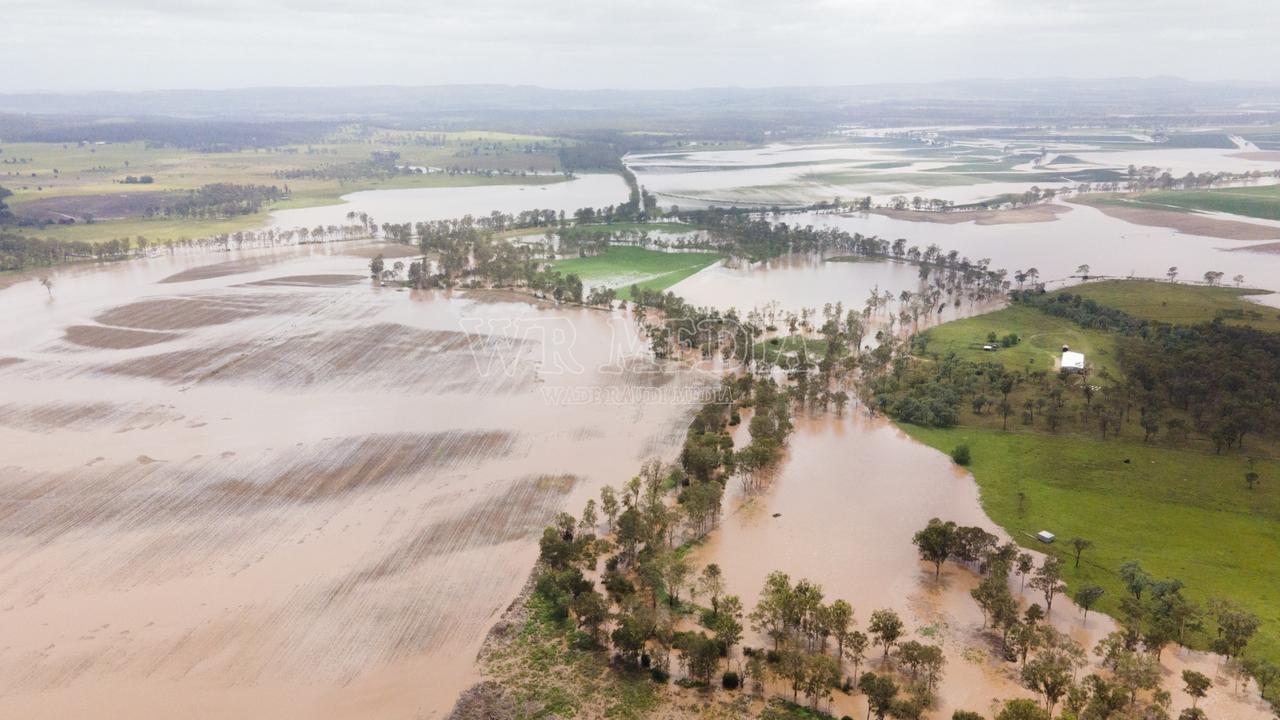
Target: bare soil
{"x": 1044, "y": 212}
{"x": 102, "y": 206}
{"x": 1190, "y": 223}
{"x": 111, "y": 338}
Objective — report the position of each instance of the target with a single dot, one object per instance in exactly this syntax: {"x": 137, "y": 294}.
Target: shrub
{"x": 960, "y": 455}
{"x": 730, "y": 681}
{"x": 659, "y": 675}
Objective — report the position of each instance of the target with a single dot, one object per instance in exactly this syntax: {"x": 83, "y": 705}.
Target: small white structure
{"x": 989, "y": 347}
{"x": 1072, "y": 361}
{"x": 1045, "y": 536}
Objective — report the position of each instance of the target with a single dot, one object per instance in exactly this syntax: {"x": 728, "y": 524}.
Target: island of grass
{"x": 1172, "y": 502}
{"x": 1261, "y": 202}
{"x": 1180, "y": 304}
{"x": 785, "y": 350}
{"x": 621, "y": 267}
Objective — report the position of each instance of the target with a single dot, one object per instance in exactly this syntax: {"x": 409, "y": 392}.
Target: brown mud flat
{"x": 1191, "y": 223}
{"x": 1272, "y": 247}
{"x": 101, "y": 206}
{"x": 49, "y": 417}
{"x": 113, "y": 338}
{"x": 328, "y": 507}
{"x": 386, "y": 250}
{"x": 190, "y": 312}
{"x": 214, "y": 270}
{"x": 1263, "y": 155}
{"x": 308, "y": 281}
{"x": 381, "y": 355}
{"x": 1044, "y": 212}
{"x": 8, "y": 361}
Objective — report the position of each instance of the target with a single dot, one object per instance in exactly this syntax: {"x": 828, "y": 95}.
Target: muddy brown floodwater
{"x": 260, "y": 487}
{"x": 842, "y": 511}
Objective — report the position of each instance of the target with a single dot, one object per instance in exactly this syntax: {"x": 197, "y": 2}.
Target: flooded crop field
{"x": 265, "y": 488}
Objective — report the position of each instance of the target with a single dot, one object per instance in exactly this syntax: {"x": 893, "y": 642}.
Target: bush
{"x": 730, "y": 681}
{"x": 960, "y": 455}
{"x": 659, "y": 675}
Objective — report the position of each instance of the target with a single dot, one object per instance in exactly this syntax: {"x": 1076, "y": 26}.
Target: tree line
{"x": 1154, "y": 615}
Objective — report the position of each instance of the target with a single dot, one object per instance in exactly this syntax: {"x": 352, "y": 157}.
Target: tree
{"x": 712, "y": 584}
{"x": 1251, "y": 479}
{"x": 1025, "y": 564}
{"x": 936, "y": 542}
{"x": 887, "y": 628}
{"x": 771, "y": 613}
{"x": 966, "y": 715}
{"x": 5, "y": 213}
{"x": 1196, "y": 684}
{"x": 1136, "y": 671}
{"x": 609, "y": 503}
{"x": 1048, "y": 580}
{"x": 1235, "y": 627}
{"x": 792, "y": 668}
{"x": 961, "y": 454}
{"x": 880, "y": 691}
{"x": 1022, "y": 709}
{"x": 728, "y": 623}
{"x": 1078, "y": 546}
{"x": 856, "y": 649}
{"x": 839, "y": 622}
{"x": 1136, "y": 580}
{"x": 1087, "y": 596}
{"x": 1049, "y": 674}
{"x": 375, "y": 266}
{"x": 592, "y": 611}
{"x": 821, "y": 674}
{"x": 1264, "y": 672}
{"x": 47, "y": 282}
{"x": 700, "y": 655}
{"x": 629, "y": 638}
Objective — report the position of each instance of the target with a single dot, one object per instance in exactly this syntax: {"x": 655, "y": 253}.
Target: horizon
{"x": 139, "y": 45}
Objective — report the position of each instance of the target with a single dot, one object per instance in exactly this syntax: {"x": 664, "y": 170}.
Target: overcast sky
{"x": 68, "y": 45}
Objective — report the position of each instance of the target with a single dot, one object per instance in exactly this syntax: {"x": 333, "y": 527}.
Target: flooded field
{"x": 792, "y": 283}
{"x": 254, "y": 485}
{"x": 264, "y": 488}
{"x": 412, "y": 205}
{"x": 841, "y": 512}
{"x": 970, "y": 170}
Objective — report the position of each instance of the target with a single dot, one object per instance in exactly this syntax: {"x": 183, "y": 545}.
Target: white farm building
{"x": 1072, "y": 361}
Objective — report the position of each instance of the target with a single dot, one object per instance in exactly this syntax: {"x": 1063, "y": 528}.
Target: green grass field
{"x": 1181, "y": 513}
{"x": 1042, "y": 339}
{"x": 1261, "y": 202}
{"x": 35, "y": 171}
{"x": 1182, "y": 304}
{"x": 622, "y": 267}
{"x": 1179, "y": 509}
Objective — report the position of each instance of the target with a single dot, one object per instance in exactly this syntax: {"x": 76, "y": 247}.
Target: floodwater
{"x": 841, "y": 512}
{"x": 254, "y": 485}
{"x": 786, "y": 174}
{"x": 792, "y": 283}
{"x": 261, "y": 487}
{"x": 1084, "y": 235}
{"x": 423, "y": 204}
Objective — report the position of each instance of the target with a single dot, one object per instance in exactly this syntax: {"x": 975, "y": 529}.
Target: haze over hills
{"x": 973, "y": 99}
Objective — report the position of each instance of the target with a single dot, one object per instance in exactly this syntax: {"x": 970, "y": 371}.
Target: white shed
{"x": 1045, "y": 536}
{"x": 1072, "y": 361}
